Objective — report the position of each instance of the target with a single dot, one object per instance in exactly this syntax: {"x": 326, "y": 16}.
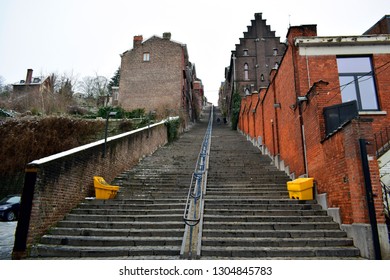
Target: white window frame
{"x": 146, "y": 56}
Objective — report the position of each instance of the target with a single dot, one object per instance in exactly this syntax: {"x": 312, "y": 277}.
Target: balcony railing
{"x": 337, "y": 116}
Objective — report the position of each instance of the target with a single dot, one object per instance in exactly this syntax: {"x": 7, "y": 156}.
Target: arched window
{"x": 246, "y": 75}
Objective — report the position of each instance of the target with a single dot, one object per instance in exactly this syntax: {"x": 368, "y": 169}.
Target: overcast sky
{"x": 85, "y": 37}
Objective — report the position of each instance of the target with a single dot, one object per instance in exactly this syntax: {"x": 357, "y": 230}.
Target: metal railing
{"x": 382, "y": 142}
{"x": 193, "y": 211}
{"x": 386, "y": 199}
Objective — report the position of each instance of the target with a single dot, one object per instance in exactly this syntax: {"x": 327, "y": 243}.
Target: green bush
{"x": 173, "y": 129}
{"x": 103, "y": 111}
{"x": 137, "y": 113}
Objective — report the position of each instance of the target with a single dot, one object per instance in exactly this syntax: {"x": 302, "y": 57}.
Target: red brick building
{"x": 156, "y": 75}
{"x": 327, "y": 93}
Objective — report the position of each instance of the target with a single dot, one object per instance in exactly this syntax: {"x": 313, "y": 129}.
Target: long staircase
{"x": 247, "y": 212}
{"x": 144, "y": 221}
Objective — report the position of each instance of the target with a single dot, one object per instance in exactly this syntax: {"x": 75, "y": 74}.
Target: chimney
{"x": 167, "y": 35}
{"x": 300, "y": 31}
{"x": 137, "y": 41}
{"x": 29, "y": 76}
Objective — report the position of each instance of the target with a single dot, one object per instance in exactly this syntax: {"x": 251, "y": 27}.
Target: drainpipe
{"x": 234, "y": 72}
{"x": 303, "y": 141}
{"x": 370, "y": 199}
{"x": 302, "y": 127}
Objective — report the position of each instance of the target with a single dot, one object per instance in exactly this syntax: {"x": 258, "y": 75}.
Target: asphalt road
{"x": 7, "y": 237}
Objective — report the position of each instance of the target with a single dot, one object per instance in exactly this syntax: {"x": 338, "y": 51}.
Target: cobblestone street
{"x": 7, "y": 235}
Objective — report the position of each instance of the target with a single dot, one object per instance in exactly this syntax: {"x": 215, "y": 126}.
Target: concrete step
{"x": 121, "y": 225}
{"x": 132, "y": 201}
{"x": 103, "y": 232}
{"x": 245, "y": 200}
{"x": 141, "y": 204}
{"x": 282, "y": 252}
{"x": 127, "y": 212}
{"x": 111, "y": 241}
{"x": 271, "y": 225}
{"x": 125, "y": 218}
{"x": 245, "y": 195}
{"x": 245, "y": 186}
{"x": 258, "y": 212}
{"x": 260, "y": 206}
{"x": 266, "y": 219}
{"x": 276, "y": 242}
{"x": 90, "y": 252}
{"x": 289, "y": 233}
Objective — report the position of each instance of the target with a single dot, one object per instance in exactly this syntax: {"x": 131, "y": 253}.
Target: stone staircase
{"x": 247, "y": 210}
{"x": 144, "y": 221}
{"x": 248, "y": 213}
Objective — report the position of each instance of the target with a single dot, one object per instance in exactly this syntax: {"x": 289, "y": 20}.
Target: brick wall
{"x": 157, "y": 84}
{"x": 56, "y": 184}
{"x": 258, "y": 43}
{"x": 334, "y": 162}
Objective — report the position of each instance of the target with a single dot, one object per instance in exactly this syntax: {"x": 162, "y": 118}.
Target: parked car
{"x": 9, "y": 207}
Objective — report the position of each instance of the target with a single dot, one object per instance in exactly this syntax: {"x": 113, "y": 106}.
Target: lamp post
{"x": 109, "y": 114}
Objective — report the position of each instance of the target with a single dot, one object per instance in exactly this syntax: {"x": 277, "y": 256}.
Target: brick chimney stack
{"x": 29, "y": 76}
{"x": 137, "y": 41}
{"x": 167, "y": 35}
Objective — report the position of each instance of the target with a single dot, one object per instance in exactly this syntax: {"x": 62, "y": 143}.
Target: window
{"x": 357, "y": 82}
{"x": 146, "y": 56}
{"x": 246, "y": 76}
{"x": 245, "y": 52}
{"x": 275, "y": 51}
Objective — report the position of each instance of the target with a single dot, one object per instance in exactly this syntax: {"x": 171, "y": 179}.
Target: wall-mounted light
{"x": 302, "y": 99}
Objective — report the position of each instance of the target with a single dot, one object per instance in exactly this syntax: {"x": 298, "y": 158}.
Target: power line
{"x": 375, "y": 71}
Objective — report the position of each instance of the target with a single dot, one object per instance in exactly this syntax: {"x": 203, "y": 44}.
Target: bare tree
{"x": 95, "y": 87}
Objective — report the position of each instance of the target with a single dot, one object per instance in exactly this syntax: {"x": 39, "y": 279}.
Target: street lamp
{"x": 109, "y": 114}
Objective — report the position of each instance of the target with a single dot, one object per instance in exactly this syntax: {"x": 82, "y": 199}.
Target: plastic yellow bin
{"x": 301, "y": 188}
{"x": 103, "y": 190}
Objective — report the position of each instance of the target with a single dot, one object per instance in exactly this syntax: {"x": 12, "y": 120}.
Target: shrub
{"x": 27, "y": 139}
{"x": 103, "y": 111}
{"x": 173, "y": 129}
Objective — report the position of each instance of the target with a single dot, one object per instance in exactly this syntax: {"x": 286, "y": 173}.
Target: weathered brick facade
{"x": 156, "y": 75}
{"x": 251, "y": 63}
{"x": 288, "y": 122}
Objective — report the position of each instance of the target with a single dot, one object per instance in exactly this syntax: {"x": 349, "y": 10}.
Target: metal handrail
{"x": 382, "y": 142}
{"x": 386, "y": 202}
{"x": 193, "y": 210}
